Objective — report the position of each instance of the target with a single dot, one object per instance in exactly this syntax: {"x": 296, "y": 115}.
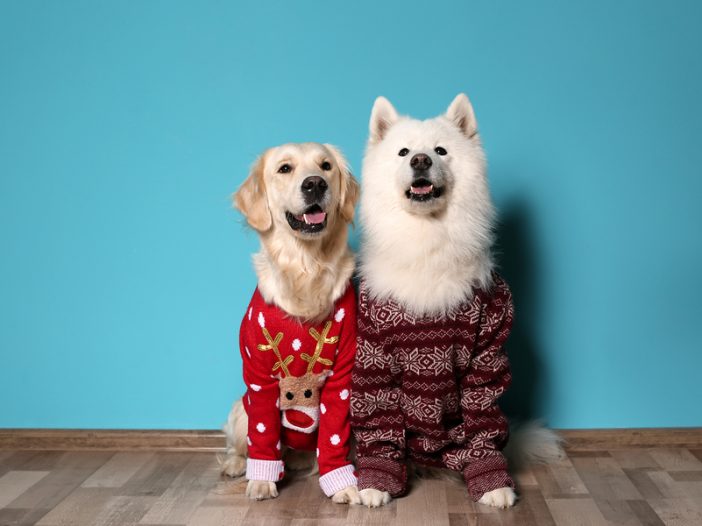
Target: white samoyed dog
{"x": 427, "y": 219}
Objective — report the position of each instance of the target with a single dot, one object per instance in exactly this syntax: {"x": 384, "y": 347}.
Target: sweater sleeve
{"x": 482, "y": 383}
{"x": 376, "y": 416}
{"x": 335, "y": 470}
{"x": 261, "y": 402}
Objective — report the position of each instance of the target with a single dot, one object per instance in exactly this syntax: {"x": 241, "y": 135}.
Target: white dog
{"x": 433, "y": 314}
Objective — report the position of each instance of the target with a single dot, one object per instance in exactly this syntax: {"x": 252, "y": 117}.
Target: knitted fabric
{"x": 426, "y": 387}
{"x": 275, "y": 346}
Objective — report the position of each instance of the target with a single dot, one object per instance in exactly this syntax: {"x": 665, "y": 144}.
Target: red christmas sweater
{"x": 298, "y": 378}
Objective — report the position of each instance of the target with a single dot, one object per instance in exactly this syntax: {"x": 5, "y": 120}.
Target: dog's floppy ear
{"x": 250, "y": 199}
{"x": 383, "y": 116}
{"x": 350, "y": 190}
{"x": 460, "y": 112}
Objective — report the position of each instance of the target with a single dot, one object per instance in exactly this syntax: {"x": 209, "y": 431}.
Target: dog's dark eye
{"x": 289, "y": 395}
{"x": 403, "y": 152}
{"x": 284, "y": 169}
{"x": 308, "y": 393}
{"x": 326, "y": 166}
{"x": 440, "y": 150}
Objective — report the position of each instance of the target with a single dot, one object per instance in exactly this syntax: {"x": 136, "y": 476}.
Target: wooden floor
{"x": 632, "y": 487}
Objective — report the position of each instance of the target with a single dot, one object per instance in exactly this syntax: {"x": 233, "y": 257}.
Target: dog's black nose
{"x": 420, "y": 161}
{"x": 313, "y": 188}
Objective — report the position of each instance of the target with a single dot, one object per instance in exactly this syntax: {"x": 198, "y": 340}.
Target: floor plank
{"x": 629, "y": 487}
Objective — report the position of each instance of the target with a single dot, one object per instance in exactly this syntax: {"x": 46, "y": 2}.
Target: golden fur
{"x": 302, "y": 275}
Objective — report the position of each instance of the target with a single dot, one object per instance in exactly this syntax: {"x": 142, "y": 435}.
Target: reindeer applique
{"x": 299, "y": 395}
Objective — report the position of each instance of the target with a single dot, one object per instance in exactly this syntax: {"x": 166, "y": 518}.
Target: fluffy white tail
{"x": 533, "y": 443}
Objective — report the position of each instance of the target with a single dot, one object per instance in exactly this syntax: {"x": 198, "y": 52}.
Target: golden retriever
{"x": 300, "y": 199}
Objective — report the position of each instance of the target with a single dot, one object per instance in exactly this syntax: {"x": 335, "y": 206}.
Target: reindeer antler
{"x": 321, "y": 341}
{"x": 273, "y": 343}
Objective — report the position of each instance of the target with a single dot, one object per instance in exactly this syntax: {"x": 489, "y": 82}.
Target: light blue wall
{"x": 124, "y": 127}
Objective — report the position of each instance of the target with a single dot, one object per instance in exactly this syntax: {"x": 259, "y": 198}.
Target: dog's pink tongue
{"x": 422, "y": 189}
{"x": 316, "y": 218}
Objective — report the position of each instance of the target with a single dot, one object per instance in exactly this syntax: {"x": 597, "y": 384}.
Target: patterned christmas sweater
{"x": 298, "y": 378}
{"x": 426, "y": 388}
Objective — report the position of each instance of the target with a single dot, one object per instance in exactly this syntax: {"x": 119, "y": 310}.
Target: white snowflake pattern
{"x": 260, "y": 427}
{"x": 261, "y": 320}
{"x": 344, "y": 394}
{"x": 340, "y": 315}
{"x": 296, "y": 344}
{"x": 323, "y": 408}
{"x": 334, "y": 439}
{"x": 255, "y": 387}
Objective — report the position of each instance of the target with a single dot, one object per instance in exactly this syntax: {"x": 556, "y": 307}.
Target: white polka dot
{"x": 340, "y": 315}
{"x": 260, "y": 427}
{"x": 248, "y": 353}
{"x": 255, "y": 387}
{"x": 296, "y": 344}
{"x": 261, "y": 320}
{"x": 344, "y": 394}
{"x": 277, "y": 446}
{"x": 250, "y": 312}
{"x": 248, "y": 440}
{"x": 334, "y": 439}
{"x": 323, "y": 408}
{"x": 317, "y": 452}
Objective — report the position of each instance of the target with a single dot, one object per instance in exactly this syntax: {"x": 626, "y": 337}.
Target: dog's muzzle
{"x": 422, "y": 189}
{"x": 312, "y": 221}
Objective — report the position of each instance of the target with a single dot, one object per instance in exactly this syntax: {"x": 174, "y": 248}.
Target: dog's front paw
{"x": 233, "y": 465}
{"x": 499, "y": 498}
{"x": 261, "y": 490}
{"x": 348, "y": 495}
{"x": 374, "y": 498}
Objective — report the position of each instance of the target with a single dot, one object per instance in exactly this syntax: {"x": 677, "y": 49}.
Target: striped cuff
{"x": 270, "y": 470}
{"x": 338, "y": 479}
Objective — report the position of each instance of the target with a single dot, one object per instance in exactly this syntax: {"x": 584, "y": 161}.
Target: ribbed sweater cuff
{"x": 382, "y": 474}
{"x": 270, "y": 470}
{"x": 337, "y": 479}
{"x": 486, "y": 475}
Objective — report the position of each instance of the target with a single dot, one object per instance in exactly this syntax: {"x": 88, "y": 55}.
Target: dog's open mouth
{"x": 422, "y": 190}
{"x": 311, "y": 221}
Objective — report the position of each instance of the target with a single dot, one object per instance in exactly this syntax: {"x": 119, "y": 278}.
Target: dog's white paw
{"x": 499, "y": 498}
{"x": 261, "y": 490}
{"x": 348, "y": 495}
{"x": 233, "y": 466}
{"x": 374, "y": 498}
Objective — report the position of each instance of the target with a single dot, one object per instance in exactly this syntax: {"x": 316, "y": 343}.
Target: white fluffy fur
{"x": 428, "y": 258}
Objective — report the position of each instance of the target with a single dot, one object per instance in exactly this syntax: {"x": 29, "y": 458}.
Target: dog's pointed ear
{"x": 461, "y": 113}
{"x": 383, "y": 116}
{"x": 250, "y": 199}
{"x": 349, "y": 192}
